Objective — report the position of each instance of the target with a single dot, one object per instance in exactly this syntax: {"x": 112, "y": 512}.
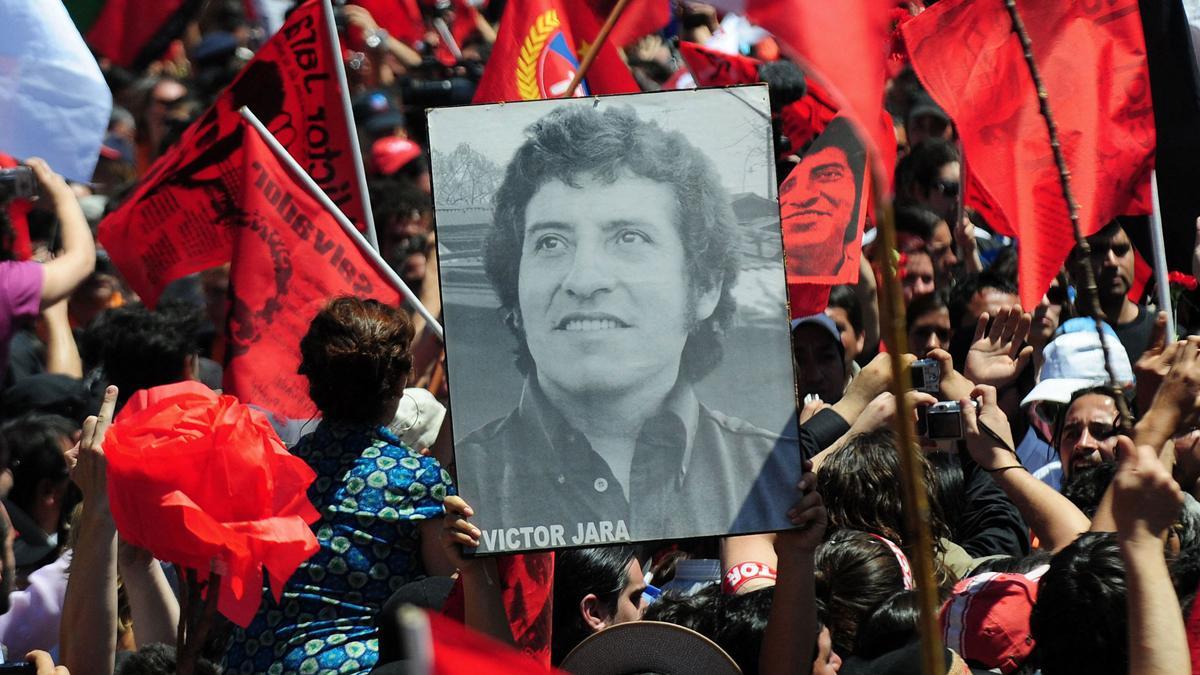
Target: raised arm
{"x": 790, "y": 639}
{"x": 1146, "y": 502}
{"x": 88, "y": 635}
{"x": 482, "y": 596}
{"x": 77, "y": 259}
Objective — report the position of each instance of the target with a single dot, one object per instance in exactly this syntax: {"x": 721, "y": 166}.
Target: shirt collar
{"x": 675, "y": 422}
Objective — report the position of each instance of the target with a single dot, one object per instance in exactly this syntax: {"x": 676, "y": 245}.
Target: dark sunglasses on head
{"x": 948, "y": 188}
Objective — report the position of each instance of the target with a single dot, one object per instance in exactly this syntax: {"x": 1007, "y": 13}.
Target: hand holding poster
{"x": 618, "y": 258}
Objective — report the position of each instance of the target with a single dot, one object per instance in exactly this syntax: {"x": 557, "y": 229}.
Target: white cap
{"x": 1075, "y": 360}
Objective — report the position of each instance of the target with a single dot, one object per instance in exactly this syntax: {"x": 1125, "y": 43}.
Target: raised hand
{"x": 997, "y": 356}
{"x": 1146, "y": 500}
{"x": 809, "y": 517}
{"x": 89, "y": 468}
{"x": 1154, "y": 363}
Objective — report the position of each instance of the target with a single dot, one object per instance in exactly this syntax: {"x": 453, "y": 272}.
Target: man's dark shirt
{"x": 692, "y": 471}
{"x": 1135, "y": 335}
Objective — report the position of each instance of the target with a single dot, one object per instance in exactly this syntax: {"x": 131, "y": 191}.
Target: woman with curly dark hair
{"x": 376, "y": 496}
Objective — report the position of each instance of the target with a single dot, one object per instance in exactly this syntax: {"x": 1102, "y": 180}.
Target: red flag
{"x": 526, "y": 586}
{"x": 536, "y": 54}
{"x": 711, "y": 68}
{"x": 164, "y": 230}
{"x": 458, "y": 649}
{"x": 639, "y": 19}
{"x": 972, "y": 64}
{"x": 822, "y": 208}
{"x": 132, "y": 33}
{"x": 845, "y": 45}
{"x": 290, "y": 256}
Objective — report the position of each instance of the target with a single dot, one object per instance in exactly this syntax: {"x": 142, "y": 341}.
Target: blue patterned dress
{"x": 371, "y": 491}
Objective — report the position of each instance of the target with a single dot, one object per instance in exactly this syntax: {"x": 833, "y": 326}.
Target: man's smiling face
{"x": 818, "y": 197}
{"x": 604, "y": 292}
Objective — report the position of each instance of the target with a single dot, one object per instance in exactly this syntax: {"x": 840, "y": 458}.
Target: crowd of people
{"x": 1062, "y": 503}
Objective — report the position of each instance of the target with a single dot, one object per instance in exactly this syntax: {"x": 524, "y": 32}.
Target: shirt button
{"x": 601, "y": 485}
{"x": 561, "y": 479}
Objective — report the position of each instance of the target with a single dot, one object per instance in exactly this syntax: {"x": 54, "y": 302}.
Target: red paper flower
{"x": 1180, "y": 279}
{"x": 194, "y": 476}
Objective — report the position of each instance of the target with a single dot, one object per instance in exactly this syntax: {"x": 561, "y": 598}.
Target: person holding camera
{"x": 27, "y": 287}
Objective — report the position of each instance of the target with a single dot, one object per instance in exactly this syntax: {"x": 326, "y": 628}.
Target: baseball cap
{"x": 986, "y": 618}
{"x": 390, "y": 153}
{"x": 820, "y": 319}
{"x": 376, "y": 113}
{"x": 1074, "y": 360}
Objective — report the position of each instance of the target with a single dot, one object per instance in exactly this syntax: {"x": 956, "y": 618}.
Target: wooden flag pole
{"x": 916, "y": 503}
{"x": 601, "y": 37}
{"x": 1064, "y": 177}
{"x": 315, "y": 190}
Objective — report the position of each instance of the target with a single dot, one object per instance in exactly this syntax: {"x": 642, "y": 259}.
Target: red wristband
{"x": 738, "y": 575}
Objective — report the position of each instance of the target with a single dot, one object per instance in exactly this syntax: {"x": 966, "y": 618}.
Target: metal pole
{"x": 315, "y": 190}
{"x": 1163, "y": 290}
{"x": 360, "y": 175}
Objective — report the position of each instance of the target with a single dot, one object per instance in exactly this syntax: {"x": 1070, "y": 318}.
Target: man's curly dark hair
{"x": 578, "y": 141}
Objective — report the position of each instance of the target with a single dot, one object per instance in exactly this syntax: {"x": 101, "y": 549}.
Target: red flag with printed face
{"x": 712, "y": 68}
{"x": 971, "y": 62}
{"x": 164, "y": 230}
{"x": 290, "y": 256}
{"x": 536, "y": 54}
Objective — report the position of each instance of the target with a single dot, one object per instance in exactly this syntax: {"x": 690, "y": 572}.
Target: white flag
{"x": 54, "y": 102}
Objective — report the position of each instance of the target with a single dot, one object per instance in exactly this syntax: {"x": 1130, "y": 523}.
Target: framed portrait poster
{"x": 616, "y": 320}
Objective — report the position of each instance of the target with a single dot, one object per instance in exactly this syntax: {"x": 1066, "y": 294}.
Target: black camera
{"x": 17, "y": 183}
{"x": 927, "y": 376}
{"x": 941, "y": 421}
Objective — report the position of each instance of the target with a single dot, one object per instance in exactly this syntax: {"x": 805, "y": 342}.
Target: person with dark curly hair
{"x": 614, "y": 253}
{"x": 377, "y": 498}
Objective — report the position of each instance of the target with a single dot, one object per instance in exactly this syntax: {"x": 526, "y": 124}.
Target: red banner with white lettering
{"x": 290, "y": 256}
{"x": 971, "y": 62}
{"x": 537, "y": 53}
{"x": 163, "y": 231}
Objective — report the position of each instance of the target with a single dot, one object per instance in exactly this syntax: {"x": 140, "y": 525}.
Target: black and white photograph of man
{"x": 641, "y": 298}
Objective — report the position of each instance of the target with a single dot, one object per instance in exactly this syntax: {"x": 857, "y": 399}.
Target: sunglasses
{"x": 948, "y": 188}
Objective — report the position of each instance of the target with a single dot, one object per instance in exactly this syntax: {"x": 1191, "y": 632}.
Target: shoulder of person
{"x": 491, "y": 433}
{"x": 739, "y": 427}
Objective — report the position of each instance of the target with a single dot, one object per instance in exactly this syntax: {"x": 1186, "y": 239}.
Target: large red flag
{"x": 536, "y": 54}
{"x": 845, "y": 46}
{"x": 162, "y": 231}
{"x": 290, "y": 256}
{"x": 967, "y": 56}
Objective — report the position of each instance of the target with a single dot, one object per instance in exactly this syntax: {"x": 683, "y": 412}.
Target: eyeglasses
{"x": 948, "y": 188}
